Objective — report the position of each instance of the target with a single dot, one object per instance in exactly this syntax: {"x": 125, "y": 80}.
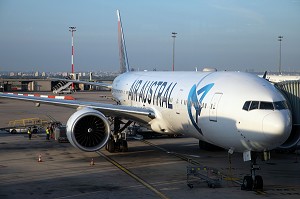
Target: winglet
{"x": 124, "y": 66}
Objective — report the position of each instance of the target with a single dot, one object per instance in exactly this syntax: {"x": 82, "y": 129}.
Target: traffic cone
{"x": 92, "y": 163}
{"x": 40, "y": 158}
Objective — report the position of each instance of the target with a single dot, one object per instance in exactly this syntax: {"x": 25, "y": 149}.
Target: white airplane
{"x": 237, "y": 111}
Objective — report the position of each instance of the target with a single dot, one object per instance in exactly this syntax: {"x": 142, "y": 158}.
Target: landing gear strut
{"x": 253, "y": 182}
{"x": 117, "y": 141}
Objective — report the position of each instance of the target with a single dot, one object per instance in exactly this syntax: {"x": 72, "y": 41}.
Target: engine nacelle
{"x": 293, "y": 140}
{"x": 88, "y": 130}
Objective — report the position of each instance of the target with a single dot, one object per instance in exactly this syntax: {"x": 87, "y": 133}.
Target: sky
{"x": 224, "y": 34}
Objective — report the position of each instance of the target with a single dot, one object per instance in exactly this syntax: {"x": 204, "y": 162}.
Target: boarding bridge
{"x": 291, "y": 90}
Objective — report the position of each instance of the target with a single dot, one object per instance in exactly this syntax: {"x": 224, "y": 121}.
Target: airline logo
{"x": 195, "y": 99}
{"x": 152, "y": 92}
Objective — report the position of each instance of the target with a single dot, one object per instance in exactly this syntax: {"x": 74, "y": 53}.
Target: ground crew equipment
{"x": 92, "y": 163}
{"x": 210, "y": 176}
{"x": 40, "y": 158}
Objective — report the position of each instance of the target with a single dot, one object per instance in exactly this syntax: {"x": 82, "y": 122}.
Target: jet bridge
{"x": 291, "y": 90}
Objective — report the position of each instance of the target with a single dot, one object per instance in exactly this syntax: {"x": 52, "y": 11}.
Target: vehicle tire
{"x": 14, "y": 131}
{"x": 247, "y": 183}
{"x": 34, "y": 131}
{"x": 258, "y": 182}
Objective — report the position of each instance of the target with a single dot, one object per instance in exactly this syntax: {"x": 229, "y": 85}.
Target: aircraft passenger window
{"x": 266, "y": 106}
{"x": 254, "y": 105}
{"x": 280, "y": 105}
{"x": 246, "y": 105}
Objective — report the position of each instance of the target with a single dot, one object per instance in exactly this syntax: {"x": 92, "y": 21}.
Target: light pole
{"x": 72, "y": 29}
{"x": 280, "y": 39}
{"x": 174, "y": 36}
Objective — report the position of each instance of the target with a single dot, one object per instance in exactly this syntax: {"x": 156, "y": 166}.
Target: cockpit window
{"x": 254, "y": 105}
{"x": 246, "y": 105}
{"x": 280, "y": 105}
{"x": 266, "y": 106}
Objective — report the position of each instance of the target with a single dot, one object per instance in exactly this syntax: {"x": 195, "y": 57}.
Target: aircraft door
{"x": 179, "y": 110}
{"x": 179, "y": 102}
{"x": 214, "y": 106}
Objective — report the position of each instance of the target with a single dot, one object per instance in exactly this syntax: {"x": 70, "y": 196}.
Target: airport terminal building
{"x": 39, "y": 85}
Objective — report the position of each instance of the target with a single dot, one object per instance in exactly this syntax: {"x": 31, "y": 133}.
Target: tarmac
{"x": 152, "y": 168}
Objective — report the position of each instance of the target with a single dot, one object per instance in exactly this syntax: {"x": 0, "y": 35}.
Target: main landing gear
{"x": 117, "y": 141}
{"x": 253, "y": 182}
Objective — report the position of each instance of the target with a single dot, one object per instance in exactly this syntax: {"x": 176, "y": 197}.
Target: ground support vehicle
{"x": 196, "y": 174}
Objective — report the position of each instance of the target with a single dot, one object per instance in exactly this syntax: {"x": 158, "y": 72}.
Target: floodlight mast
{"x": 174, "y": 36}
{"x": 280, "y": 39}
{"x": 72, "y": 29}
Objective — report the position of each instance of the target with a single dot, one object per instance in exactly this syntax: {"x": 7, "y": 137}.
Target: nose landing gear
{"x": 253, "y": 182}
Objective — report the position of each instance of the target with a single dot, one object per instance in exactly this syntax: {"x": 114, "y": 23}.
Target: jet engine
{"x": 293, "y": 140}
{"x": 88, "y": 130}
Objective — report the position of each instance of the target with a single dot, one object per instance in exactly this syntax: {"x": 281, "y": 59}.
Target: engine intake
{"x": 293, "y": 140}
{"x": 88, "y": 130}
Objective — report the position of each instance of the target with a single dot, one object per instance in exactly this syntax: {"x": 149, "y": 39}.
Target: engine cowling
{"x": 293, "y": 140}
{"x": 88, "y": 130}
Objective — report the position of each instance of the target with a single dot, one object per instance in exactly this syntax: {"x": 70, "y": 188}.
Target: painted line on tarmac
{"x": 147, "y": 185}
{"x": 192, "y": 161}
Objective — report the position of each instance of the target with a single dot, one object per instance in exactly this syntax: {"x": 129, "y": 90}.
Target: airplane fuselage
{"x": 233, "y": 110}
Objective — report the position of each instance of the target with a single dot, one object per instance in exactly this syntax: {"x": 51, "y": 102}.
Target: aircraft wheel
{"x": 258, "y": 182}
{"x": 247, "y": 183}
{"x": 124, "y": 146}
{"x": 110, "y": 146}
{"x": 118, "y": 145}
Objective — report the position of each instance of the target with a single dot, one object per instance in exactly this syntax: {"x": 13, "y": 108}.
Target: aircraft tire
{"x": 124, "y": 146}
{"x": 110, "y": 146}
{"x": 247, "y": 183}
{"x": 258, "y": 183}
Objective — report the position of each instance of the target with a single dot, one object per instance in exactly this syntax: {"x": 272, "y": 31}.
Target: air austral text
{"x": 156, "y": 93}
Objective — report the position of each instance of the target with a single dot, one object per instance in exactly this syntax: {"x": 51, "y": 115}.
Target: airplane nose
{"x": 277, "y": 127}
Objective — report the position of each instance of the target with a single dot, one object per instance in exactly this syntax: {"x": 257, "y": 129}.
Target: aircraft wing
{"x": 84, "y": 82}
{"x": 141, "y": 115}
